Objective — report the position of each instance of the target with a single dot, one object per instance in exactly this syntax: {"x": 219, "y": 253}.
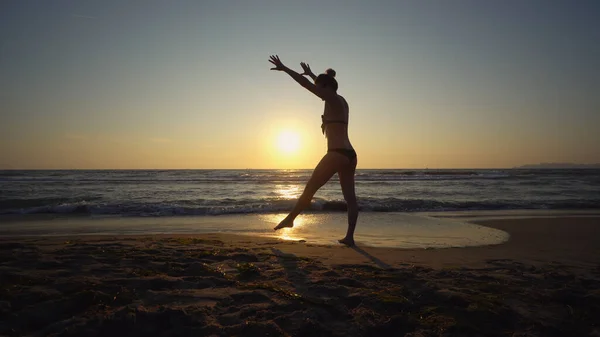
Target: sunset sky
{"x": 186, "y": 84}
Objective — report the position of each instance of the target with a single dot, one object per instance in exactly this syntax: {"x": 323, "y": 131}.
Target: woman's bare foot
{"x": 346, "y": 241}
{"x": 285, "y": 223}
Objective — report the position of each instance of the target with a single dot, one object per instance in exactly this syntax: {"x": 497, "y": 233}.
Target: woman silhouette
{"x": 340, "y": 156}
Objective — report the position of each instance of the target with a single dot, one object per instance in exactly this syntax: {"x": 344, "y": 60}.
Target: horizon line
{"x": 311, "y": 168}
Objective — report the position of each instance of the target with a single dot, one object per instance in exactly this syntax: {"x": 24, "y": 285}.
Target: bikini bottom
{"x": 350, "y": 153}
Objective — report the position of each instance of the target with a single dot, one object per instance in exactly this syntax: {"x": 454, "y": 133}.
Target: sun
{"x": 288, "y": 142}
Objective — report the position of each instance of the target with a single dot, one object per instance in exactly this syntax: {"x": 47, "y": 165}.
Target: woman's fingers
{"x": 305, "y": 67}
{"x": 275, "y": 59}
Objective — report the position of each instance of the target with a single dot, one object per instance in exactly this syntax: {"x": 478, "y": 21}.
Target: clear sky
{"x": 186, "y": 84}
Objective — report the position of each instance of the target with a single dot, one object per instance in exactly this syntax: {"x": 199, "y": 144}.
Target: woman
{"x": 340, "y": 156}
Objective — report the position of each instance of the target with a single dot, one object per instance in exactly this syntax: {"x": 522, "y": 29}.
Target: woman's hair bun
{"x": 330, "y": 72}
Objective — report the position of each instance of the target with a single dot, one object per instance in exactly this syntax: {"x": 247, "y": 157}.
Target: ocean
{"x": 157, "y": 193}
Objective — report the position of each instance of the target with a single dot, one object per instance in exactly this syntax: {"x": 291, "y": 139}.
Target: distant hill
{"x": 558, "y": 166}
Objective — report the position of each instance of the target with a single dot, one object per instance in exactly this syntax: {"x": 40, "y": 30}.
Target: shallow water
{"x": 398, "y": 230}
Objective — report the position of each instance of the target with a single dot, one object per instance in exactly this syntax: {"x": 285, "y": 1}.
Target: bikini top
{"x": 324, "y": 121}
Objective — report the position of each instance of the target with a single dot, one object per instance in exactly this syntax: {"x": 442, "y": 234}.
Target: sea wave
{"x": 251, "y": 179}
{"x": 250, "y": 206}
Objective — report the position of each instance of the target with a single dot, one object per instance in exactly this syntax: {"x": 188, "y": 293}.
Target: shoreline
{"x": 394, "y": 230}
{"x": 528, "y": 236}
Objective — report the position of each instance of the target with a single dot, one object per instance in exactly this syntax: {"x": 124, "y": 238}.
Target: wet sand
{"x": 545, "y": 281}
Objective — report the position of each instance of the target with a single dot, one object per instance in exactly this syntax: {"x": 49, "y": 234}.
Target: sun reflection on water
{"x": 293, "y": 233}
{"x": 287, "y": 191}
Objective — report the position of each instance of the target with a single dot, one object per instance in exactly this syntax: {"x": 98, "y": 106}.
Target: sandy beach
{"x": 544, "y": 281}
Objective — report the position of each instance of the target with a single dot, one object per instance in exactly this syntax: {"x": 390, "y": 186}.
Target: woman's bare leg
{"x": 327, "y": 167}
{"x": 346, "y": 175}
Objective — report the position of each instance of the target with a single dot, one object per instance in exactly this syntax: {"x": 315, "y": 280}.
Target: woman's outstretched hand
{"x": 306, "y": 69}
{"x": 277, "y": 62}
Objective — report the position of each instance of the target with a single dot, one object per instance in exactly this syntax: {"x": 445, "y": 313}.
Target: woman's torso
{"x": 337, "y": 132}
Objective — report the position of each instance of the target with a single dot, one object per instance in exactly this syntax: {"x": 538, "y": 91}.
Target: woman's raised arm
{"x": 326, "y": 95}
